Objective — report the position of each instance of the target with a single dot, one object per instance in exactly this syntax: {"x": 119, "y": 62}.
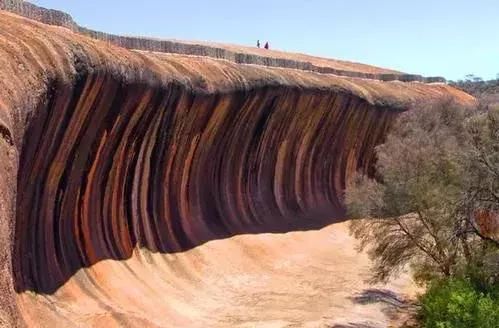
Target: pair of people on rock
{"x": 266, "y": 46}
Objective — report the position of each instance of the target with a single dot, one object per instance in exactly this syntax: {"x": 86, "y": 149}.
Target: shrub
{"x": 457, "y": 303}
{"x": 434, "y": 202}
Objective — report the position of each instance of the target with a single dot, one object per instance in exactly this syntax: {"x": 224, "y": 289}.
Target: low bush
{"x": 459, "y": 303}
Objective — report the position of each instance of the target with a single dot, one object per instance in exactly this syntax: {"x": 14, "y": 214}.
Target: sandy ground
{"x": 297, "y": 279}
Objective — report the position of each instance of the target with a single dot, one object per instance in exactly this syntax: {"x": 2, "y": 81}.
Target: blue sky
{"x": 429, "y": 37}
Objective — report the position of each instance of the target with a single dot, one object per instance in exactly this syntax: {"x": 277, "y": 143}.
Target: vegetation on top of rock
{"x": 487, "y": 91}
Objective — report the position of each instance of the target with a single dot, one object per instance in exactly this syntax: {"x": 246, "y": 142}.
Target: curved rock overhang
{"x": 106, "y": 149}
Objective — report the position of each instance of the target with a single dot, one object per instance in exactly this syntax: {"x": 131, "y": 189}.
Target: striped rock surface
{"x": 123, "y": 171}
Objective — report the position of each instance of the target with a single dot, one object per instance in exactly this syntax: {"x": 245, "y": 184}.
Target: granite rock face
{"x": 105, "y": 149}
{"x": 242, "y": 55}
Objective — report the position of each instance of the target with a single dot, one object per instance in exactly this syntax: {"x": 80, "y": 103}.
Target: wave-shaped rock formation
{"x": 105, "y": 150}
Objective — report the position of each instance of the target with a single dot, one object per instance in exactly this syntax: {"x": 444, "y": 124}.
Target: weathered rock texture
{"x": 237, "y": 54}
{"x": 105, "y": 150}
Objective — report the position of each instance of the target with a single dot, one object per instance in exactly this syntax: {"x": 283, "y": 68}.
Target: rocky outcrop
{"x": 231, "y": 53}
{"x": 105, "y": 150}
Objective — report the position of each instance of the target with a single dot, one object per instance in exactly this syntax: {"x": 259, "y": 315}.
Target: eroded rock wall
{"x": 105, "y": 149}
{"x": 9, "y": 313}
{"x": 108, "y": 166}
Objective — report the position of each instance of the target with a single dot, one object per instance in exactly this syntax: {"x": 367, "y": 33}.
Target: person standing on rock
{"x": 258, "y": 43}
{"x": 266, "y": 45}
